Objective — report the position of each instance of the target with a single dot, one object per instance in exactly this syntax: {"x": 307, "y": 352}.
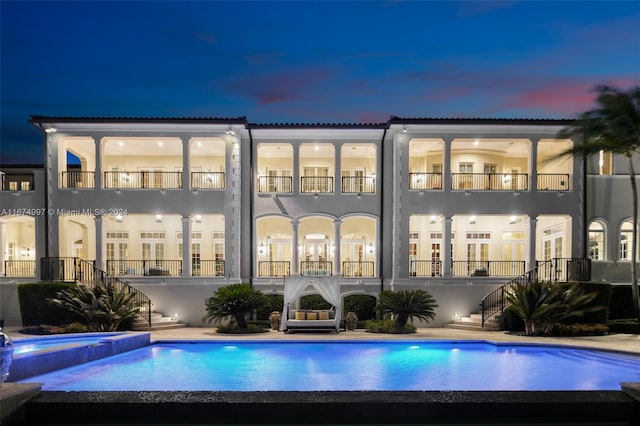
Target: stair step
{"x": 472, "y": 326}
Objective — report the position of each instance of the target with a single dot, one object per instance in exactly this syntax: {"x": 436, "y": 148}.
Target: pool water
{"x": 23, "y": 346}
{"x": 332, "y": 366}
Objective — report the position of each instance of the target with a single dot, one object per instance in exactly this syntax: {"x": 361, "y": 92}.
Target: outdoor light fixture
{"x": 472, "y": 220}
{"x": 512, "y": 219}
{"x": 433, "y": 219}
{"x": 230, "y": 132}
{"x": 50, "y": 130}
{"x": 159, "y": 218}
{"x": 119, "y": 219}
{"x": 404, "y": 129}
{"x": 476, "y": 143}
{"x": 261, "y": 249}
{"x": 198, "y": 218}
{"x": 160, "y": 144}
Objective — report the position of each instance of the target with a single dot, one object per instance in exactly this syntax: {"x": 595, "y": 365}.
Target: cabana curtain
{"x": 327, "y": 287}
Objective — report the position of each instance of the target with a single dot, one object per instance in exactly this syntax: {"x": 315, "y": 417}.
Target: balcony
{"x": 145, "y": 268}
{"x": 487, "y": 268}
{"x": 316, "y": 268}
{"x": 77, "y": 179}
{"x": 425, "y": 181}
{"x": 490, "y": 181}
{"x": 275, "y": 184}
{"x": 19, "y": 268}
{"x": 553, "y": 182}
{"x": 207, "y": 268}
{"x": 18, "y": 182}
{"x": 358, "y": 184}
{"x": 315, "y": 184}
{"x": 143, "y": 180}
{"x": 207, "y": 180}
{"x": 425, "y": 268}
{"x": 358, "y": 269}
{"x": 278, "y": 268}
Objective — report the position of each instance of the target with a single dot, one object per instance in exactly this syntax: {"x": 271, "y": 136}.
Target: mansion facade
{"x": 178, "y": 207}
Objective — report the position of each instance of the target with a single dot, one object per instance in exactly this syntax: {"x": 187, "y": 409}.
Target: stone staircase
{"x": 474, "y": 322}
{"x": 158, "y": 322}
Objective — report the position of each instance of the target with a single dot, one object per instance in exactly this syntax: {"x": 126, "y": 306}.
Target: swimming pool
{"x": 22, "y": 346}
{"x": 334, "y": 366}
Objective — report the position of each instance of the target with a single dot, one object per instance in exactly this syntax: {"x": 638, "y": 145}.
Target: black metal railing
{"x": 553, "y": 182}
{"x": 352, "y": 269}
{"x": 275, "y": 184}
{"x": 207, "y": 268}
{"x": 316, "y": 184}
{"x": 487, "y": 268}
{"x": 19, "y": 268}
{"x": 277, "y": 268}
{"x": 207, "y": 180}
{"x": 77, "y": 179}
{"x": 490, "y": 181}
{"x": 425, "y": 181}
{"x": 17, "y": 182}
{"x": 556, "y": 270}
{"x": 73, "y": 269}
{"x": 145, "y": 268}
{"x": 316, "y": 268}
{"x": 358, "y": 184}
{"x": 142, "y": 180}
{"x": 425, "y": 268}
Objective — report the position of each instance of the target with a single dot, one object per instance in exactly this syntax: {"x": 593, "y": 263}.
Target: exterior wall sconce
{"x": 472, "y": 220}
{"x": 158, "y": 218}
{"x": 512, "y": 219}
{"x": 261, "y": 248}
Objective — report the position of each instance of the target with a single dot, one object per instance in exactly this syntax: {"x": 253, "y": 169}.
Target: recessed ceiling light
{"x": 160, "y": 144}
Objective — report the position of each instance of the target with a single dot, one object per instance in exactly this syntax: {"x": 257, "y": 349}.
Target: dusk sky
{"x": 296, "y": 61}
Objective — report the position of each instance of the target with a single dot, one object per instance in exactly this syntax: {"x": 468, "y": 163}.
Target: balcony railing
{"x": 207, "y": 268}
{"x": 490, "y": 181}
{"x": 17, "y": 182}
{"x": 315, "y": 184}
{"x": 425, "y": 181}
{"x": 358, "y": 269}
{"x": 553, "y": 182}
{"x": 277, "y": 268}
{"x": 77, "y": 179}
{"x": 143, "y": 180}
{"x": 273, "y": 184}
{"x": 425, "y": 268}
{"x": 359, "y": 184}
{"x": 145, "y": 268}
{"x": 19, "y": 268}
{"x": 487, "y": 268}
{"x": 316, "y": 268}
{"x": 207, "y": 180}
{"x": 564, "y": 269}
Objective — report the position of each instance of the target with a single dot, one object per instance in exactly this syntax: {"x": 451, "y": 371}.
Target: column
{"x": 186, "y": 165}
{"x": 337, "y": 185}
{"x": 98, "y": 166}
{"x": 296, "y": 169}
{"x": 534, "y": 165}
{"x": 446, "y": 241}
{"x": 336, "y": 238}
{"x": 295, "y": 250}
{"x": 100, "y": 261}
{"x": 446, "y": 166}
{"x": 532, "y": 243}
{"x": 186, "y": 247}
{"x": 3, "y": 244}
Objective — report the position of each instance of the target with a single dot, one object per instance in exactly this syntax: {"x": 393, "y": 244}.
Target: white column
{"x": 446, "y": 241}
{"x": 336, "y": 238}
{"x": 446, "y": 166}
{"x": 186, "y": 164}
{"x": 100, "y": 261}
{"x": 3, "y": 244}
{"x": 337, "y": 186}
{"x": 295, "y": 250}
{"x": 296, "y": 169}
{"x": 186, "y": 247}
{"x": 98, "y": 166}
{"x": 534, "y": 165}
{"x": 532, "y": 243}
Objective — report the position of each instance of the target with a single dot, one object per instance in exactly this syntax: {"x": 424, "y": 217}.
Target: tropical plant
{"x": 102, "y": 308}
{"x": 613, "y": 126}
{"x": 542, "y": 304}
{"x": 236, "y": 300}
{"x": 404, "y": 305}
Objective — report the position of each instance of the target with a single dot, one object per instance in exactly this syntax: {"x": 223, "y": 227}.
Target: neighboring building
{"x": 181, "y": 206}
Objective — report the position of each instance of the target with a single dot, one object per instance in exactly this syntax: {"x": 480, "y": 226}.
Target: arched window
{"x": 596, "y": 241}
{"x": 626, "y": 240}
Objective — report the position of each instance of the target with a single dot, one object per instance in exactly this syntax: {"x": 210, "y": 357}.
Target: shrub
{"x": 629, "y": 326}
{"x": 34, "y": 308}
{"x": 314, "y": 301}
{"x": 235, "y": 300}
{"x": 579, "y": 329}
{"x": 233, "y": 328}
{"x": 407, "y": 304}
{"x": 389, "y": 327}
{"x": 273, "y": 302}
{"x": 593, "y": 311}
{"x": 621, "y": 304}
{"x": 361, "y": 304}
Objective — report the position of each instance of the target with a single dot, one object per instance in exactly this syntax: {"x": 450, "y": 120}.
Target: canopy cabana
{"x": 327, "y": 287}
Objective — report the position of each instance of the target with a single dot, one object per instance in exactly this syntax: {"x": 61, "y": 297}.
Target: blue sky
{"x": 302, "y": 61}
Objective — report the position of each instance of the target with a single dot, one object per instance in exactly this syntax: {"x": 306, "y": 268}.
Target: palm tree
{"x": 407, "y": 304}
{"x": 234, "y": 300}
{"x": 613, "y": 126}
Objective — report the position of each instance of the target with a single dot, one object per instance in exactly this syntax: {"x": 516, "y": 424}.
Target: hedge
{"x": 34, "y": 308}
{"x": 621, "y": 305}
